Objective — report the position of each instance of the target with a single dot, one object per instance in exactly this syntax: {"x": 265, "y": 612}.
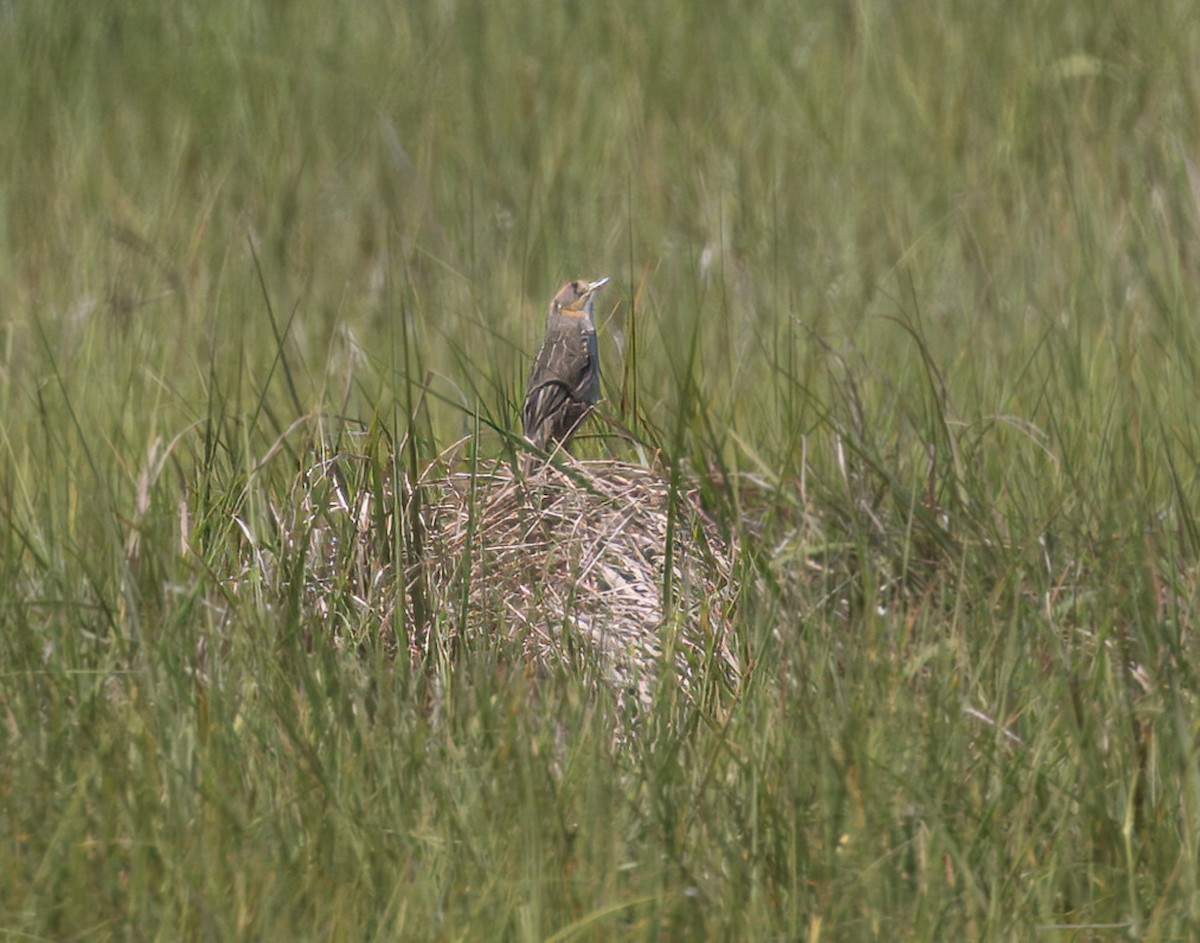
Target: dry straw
{"x": 605, "y": 567}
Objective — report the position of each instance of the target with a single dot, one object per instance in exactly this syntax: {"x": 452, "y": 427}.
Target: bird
{"x": 564, "y": 382}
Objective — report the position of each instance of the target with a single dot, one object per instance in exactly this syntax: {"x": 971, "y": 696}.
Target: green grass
{"x": 915, "y": 287}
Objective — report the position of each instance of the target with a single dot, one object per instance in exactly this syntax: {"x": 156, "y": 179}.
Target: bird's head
{"x": 575, "y": 298}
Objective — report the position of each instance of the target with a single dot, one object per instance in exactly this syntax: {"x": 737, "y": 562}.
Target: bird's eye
{"x": 557, "y": 307}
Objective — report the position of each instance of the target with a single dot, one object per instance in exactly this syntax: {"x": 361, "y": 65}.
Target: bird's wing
{"x": 541, "y": 403}
{"x": 565, "y": 358}
{"x": 561, "y": 371}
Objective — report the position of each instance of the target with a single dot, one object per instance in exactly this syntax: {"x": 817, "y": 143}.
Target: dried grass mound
{"x": 602, "y": 566}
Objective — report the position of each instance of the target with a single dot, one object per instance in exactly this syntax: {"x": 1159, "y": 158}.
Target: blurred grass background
{"x": 914, "y": 287}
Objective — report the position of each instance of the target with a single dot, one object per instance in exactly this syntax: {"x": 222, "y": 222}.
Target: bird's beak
{"x": 596, "y": 285}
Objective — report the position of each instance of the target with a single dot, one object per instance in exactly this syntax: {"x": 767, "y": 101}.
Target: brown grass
{"x": 597, "y": 566}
